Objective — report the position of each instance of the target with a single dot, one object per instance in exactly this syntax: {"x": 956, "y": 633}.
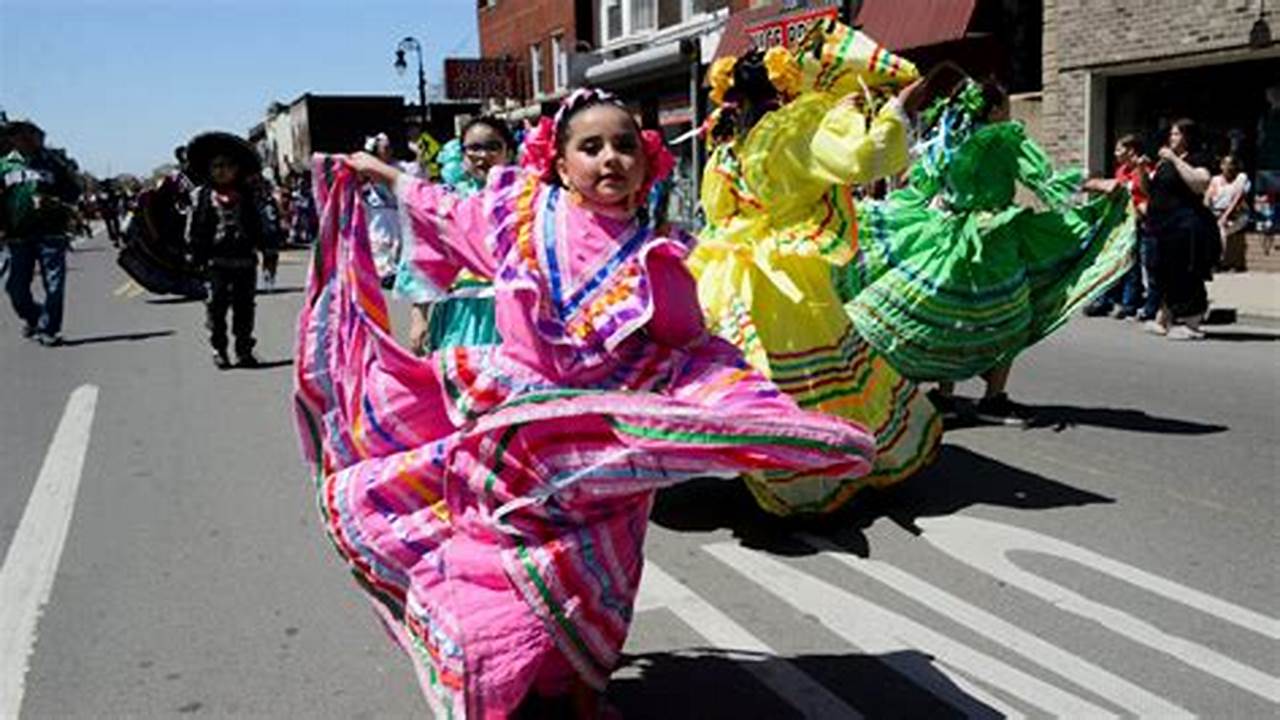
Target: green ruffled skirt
{"x": 947, "y": 295}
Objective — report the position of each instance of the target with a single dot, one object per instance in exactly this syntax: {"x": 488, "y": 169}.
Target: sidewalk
{"x": 1252, "y": 294}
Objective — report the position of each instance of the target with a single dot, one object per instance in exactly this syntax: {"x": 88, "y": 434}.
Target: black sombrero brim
{"x": 205, "y": 147}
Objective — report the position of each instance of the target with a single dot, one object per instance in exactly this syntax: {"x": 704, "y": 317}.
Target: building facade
{"x": 539, "y": 36}
{"x": 291, "y": 132}
{"x": 1129, "y": 66}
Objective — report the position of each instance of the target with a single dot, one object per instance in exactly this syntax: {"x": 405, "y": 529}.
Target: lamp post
{"x": 407, "y": 44}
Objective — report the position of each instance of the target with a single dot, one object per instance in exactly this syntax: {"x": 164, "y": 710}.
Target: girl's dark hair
{"x": 1190, "y": 132}
{"x": 498, "y": 126}
{"x": 1130, "y": 141}
{"x": 994, "y": 96}
{"x": 751, "y": 97}
{"x": 562, "y": 127}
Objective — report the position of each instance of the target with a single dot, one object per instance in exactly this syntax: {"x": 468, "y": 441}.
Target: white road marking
{"x": 1083, "y": 673}
{"x": 26, "y": 579}
{"x": 882, "y": 632}
{"x": 809, "y": 697}
{"x": 985, "y": 545}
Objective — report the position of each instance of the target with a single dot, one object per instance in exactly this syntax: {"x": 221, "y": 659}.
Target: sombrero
{"x": 205, "y": 147}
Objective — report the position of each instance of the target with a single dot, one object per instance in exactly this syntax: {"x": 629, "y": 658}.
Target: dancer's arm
{"x": 849, "y": 150}
{"x": 1196, "y": 178}
{"x": 1035, "y": 169}
{"x": 448, "y": 233}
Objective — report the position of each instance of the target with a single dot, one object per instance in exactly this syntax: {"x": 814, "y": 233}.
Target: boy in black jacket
{"x": 224, "y": 235}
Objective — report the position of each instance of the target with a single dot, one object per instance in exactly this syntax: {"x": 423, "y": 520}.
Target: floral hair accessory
{"x": 784, "y": 71}
{"x": 372, "y": 142}
{"x": 967, "y": 102}
{"x": 720, "y": 78}
{"x": 660, "y": 160}
{"x": 538, "y": 151}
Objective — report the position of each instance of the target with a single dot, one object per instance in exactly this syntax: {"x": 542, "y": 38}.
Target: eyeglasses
{"x": 477, "y": 148}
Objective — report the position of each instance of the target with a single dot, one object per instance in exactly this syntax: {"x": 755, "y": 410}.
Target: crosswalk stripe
{"x": 31, "y": 563}
{"x": 876, "y": 630}
{"x": 983, "y": 545}
{"x": 1084, "y": 674}
{"x": 809, "y": 697}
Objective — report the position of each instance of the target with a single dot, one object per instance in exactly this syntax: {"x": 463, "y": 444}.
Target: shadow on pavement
{"x": 121, "y": 337}
{"x": 709, "y": 683}
{"x": 1240, "y": 335}
{"x": 174, "y": 300}
{"x": 959, "y": 479}
{"x": 266, "y": 365}
{"x": 288, "y": 290}
{"x": 1061, "y": 417}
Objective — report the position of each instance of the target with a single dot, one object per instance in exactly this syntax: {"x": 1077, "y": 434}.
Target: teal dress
{"x": 465, "y": 316}
{"x": 954, "y": 278}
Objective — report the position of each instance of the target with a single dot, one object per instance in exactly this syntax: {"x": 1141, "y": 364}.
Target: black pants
{"x": 1182, "y": 262}
{"x": 232, "y": 288}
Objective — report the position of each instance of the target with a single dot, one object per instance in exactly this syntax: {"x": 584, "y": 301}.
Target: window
{"x": 644, "y": 15}
{"x": 612, "y": 18}
{"x": 559, "y": 64}
{"x": 671, "y": 12}
{"x": 535, "y": 68}
{"x": 483, "y": 4}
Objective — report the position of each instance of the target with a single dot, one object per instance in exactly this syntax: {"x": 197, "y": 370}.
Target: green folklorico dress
{"x": 465, "y": 316}
{"x": 953, "y": 278}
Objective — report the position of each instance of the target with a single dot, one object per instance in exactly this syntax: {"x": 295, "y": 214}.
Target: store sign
{"x": 788, "y": 29}
{"x": 479, "y": 78}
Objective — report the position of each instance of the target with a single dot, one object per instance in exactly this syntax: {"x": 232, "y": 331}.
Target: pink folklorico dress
{"x": 493, "y": 501}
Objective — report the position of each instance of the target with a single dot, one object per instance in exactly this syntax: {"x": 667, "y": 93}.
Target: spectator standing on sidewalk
{"x": 1187, "y": 240}
{"x": 1125, "y": 298}
{"x": 38, "y": 204}
{"x": 1227, "y": 197}
{"x": 225, "y": 235}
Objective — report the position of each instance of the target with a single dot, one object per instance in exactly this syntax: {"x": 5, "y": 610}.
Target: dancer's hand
{"x": 362, "y": 162}
{"x": 419, "y": 325}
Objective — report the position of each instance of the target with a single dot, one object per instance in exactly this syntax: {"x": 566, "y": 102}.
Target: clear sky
{"x": 119, "y": 83}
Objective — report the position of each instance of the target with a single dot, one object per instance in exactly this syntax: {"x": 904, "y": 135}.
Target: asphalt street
{"x": 1119, "y": 558}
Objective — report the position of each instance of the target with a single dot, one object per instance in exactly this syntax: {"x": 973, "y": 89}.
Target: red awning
{"x": 896, "y": 24}
{"x": 905, "y": 24}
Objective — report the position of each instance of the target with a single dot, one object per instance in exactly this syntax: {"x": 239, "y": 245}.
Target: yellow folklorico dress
{"x": 780, "y": 223}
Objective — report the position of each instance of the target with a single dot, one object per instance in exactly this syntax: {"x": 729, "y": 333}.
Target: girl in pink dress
{"x": 493, "y": 500}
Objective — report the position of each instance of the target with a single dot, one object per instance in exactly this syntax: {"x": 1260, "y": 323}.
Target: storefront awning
{"x": 637, "y": 65}
{"x": 906, "y": 24}
{"x": 898, "y": 25}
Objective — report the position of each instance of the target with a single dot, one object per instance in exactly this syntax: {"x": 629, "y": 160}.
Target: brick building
{"x": 1131, "y": 66}
{"x": 540, "y": 36}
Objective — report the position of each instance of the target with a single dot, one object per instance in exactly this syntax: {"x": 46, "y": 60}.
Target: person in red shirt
{"x": 1125, "y": 298}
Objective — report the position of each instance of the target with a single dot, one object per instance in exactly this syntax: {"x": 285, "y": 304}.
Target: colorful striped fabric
{"x": 947, "y": 290}
{"x": 496, "y": 516}
{"x": 780, "y": 222}
{"x": 839, "y": 60}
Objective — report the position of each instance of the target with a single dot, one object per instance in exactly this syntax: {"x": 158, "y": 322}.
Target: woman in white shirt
{"x": 1226, "y": 198}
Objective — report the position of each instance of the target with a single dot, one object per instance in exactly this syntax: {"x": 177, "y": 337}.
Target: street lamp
{"x": 407, "y": 44}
